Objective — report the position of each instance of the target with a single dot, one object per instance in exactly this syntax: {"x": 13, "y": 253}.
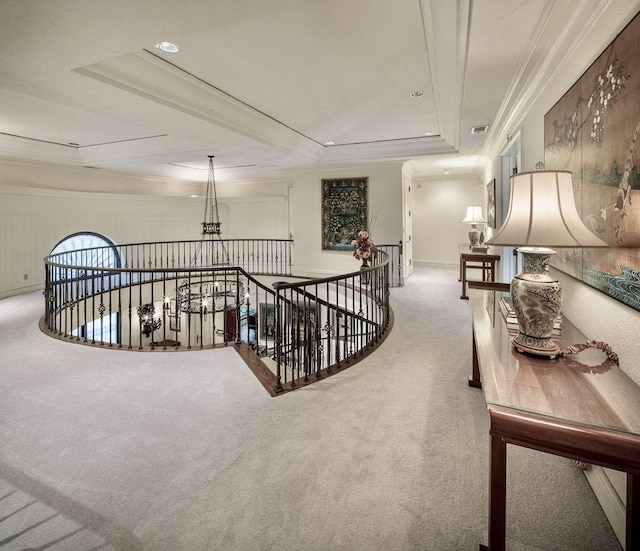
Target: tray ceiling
{"x": 265, "y": 86}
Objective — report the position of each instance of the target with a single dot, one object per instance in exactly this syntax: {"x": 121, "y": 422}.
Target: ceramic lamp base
{"x": 536, "y": 297}
{"x": 474, "y": 236}
{"x": 544, "y": 346}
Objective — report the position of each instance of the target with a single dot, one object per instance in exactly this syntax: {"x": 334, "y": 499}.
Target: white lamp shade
{"x": 542, "y": 213}
{"x": 474, "y": 215}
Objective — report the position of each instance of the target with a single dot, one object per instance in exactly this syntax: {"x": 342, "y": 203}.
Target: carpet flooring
{"x": 124, "y": 451}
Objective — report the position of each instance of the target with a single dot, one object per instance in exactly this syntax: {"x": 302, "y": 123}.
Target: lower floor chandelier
{"x": 209, "y": 295}
{"x": 150, "y": 321}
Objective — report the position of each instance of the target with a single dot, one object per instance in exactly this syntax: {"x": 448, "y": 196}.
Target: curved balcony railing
{"x": 201, "y": 294}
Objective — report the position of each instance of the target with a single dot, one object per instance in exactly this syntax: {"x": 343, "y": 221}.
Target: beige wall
{"x": 439, "y": 205}
{"x": 385, "y": 206}
{"x": 34, "y": 217}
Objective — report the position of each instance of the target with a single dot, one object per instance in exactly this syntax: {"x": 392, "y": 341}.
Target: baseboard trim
{"x": 21, "y": 290}
{"x": 439, "y": 262}
{"x": 609, "y": 499}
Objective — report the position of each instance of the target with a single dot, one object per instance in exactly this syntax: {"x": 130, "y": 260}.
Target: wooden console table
{"x": 582, "y": 406}
{"x": 470, "y": 260}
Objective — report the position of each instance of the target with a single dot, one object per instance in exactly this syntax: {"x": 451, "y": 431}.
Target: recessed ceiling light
{"x": 167, "y": 47}
{"x": 417, "y": 94}
{"x": 428, "y": 133}
{"x": 329, "y": 143}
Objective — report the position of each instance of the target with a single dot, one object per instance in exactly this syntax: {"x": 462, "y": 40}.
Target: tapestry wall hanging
{"x": 344, "y": 212}
{"x": 593, "y": 132}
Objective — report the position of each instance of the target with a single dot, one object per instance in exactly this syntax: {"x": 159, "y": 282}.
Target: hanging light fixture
{"x": 210, "y": 293}
{"x": 211, "y": 223}
{"x": 217, "y": 294}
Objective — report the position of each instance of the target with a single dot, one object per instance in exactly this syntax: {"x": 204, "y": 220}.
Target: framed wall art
{"x": 304, "y": 319}
{"x": 174, "y": 322}
{"x": 593, "y": 132}
{"x": 340, "y": 325}
{"x": 344, "y": 211}
{"x": 267, "y": 320}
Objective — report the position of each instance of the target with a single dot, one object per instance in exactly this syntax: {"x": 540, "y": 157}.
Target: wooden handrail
{"x": 489, "y": 285}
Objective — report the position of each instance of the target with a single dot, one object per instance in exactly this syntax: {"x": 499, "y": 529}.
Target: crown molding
{"x": 565, "y": 29}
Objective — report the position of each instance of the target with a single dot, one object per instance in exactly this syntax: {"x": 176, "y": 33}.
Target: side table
{"x": 476, "y": 260}
{"x": 583, "y": 407}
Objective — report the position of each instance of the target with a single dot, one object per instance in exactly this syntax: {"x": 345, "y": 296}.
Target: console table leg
{"x": 497, "y": 494}
{"x": 633, "y": 513}
{"x": 474, "y": 380}
{"x": 463, "y": 278}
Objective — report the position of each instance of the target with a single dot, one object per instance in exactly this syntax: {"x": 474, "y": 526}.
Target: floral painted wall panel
{"x": 593, "y": 131}
{"x": 344, "y": 212}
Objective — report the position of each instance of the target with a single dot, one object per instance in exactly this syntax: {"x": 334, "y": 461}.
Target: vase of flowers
{"x": 363, "y": 248}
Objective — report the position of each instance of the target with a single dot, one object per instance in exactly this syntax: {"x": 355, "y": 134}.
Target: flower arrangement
{"x": 363, "y": 244}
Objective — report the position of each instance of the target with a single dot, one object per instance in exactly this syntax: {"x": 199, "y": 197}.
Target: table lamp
{"x": 474, "y": 217}
{"x": 542, "y": 214}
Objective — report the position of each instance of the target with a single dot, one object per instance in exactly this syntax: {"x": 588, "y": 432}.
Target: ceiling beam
{"x": 446, "y": 27}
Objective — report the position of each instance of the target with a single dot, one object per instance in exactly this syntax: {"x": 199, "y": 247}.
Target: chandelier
{"x": 209, "y": 295}
{"x": 211, "y": 224}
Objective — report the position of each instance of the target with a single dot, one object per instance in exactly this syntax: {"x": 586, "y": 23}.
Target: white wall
{"x": 385, "y": 206}
{"x": 33, "y": 221}
{"x": 34, "y": 217}
{"x": 255, "y": 218}
{"x": 439, "y": 205}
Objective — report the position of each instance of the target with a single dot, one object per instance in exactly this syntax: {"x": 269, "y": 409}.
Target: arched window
{"x": 104, "y": 253}
{"x": 89, "y": 249}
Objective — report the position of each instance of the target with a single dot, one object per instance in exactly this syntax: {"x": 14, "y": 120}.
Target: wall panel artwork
{"x": 593, "y": 132}
{"x": 344, "y": 212}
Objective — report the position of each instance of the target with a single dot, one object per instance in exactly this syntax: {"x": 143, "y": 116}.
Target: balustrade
{"x": 201, "y": 294}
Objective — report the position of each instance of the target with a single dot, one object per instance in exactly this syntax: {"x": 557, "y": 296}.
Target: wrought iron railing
{"x": 324, "y": 325}
{"x": 202, "y": 294}
{"x": 395, "y": 257}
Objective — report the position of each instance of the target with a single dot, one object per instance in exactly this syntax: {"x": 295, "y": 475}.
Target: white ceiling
{"x": 264, "y": 84}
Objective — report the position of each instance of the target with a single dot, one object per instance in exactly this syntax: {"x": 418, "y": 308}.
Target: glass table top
{"x": 585, "y": 388}
{"x": 465, "y": 249}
